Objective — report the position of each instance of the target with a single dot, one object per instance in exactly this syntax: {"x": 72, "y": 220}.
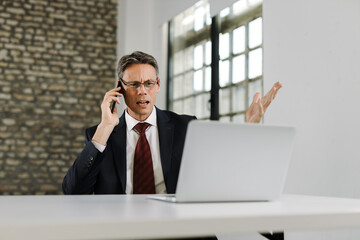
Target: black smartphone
{"x": 112, "y": 105}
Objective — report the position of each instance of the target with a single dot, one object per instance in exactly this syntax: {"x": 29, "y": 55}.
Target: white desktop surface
{"x": 131, "y": 216}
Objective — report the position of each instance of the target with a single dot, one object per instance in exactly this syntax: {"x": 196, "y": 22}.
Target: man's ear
{"x": 158, "y": 89}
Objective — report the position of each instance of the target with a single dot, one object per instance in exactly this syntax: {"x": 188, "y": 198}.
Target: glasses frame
{"x": 140, "y": 83}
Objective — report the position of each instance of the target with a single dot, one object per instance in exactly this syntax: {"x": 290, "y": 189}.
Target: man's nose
{"x": 141, "y": 89}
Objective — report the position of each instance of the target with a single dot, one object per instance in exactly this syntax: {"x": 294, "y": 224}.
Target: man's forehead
{"x": 140, "y": 70}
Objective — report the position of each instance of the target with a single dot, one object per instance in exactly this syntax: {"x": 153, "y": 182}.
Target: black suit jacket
{"x": 105, "y": 173}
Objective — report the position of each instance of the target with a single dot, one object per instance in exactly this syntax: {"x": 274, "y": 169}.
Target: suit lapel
{"x": 117, "y": 141}
{"x": 166, "y": 134}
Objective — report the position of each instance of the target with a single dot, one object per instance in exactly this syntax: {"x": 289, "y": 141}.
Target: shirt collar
{"x": 131, "y": 122}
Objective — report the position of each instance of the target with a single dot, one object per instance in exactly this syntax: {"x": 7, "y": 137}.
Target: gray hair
{"x": 136, "y": 57}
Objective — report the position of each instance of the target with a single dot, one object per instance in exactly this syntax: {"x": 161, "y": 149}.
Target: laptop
{"x": 232, "y": 162}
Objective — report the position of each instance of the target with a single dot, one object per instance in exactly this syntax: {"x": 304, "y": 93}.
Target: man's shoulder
{"x": 172, "y": 116}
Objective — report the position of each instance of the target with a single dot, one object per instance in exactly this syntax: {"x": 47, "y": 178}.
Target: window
{"x": 240, "y": 60}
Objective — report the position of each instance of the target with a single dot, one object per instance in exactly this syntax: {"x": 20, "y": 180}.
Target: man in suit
{"x": 106, "y": 164}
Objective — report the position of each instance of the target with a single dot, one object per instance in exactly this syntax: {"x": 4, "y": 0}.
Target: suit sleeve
{"x": 81, "y": 176}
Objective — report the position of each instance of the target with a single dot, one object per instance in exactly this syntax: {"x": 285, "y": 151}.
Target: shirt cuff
{"x": 98, "y": 146}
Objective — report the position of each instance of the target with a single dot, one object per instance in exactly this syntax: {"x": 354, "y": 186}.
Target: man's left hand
{"x": 259, "y": 105}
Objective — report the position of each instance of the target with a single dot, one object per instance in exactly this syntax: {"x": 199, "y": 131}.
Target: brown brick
{"x": 27, "y": 6}
{"x": 76, "y": 125}
{"x": 58, "y": 112}
{"x": 50, "y": 9}
{"x": 58, "y": 87}
{"x": 52, "y": 80}
{"x": 40, "y": 175}
{"x": 68, "y": 53}
{"x": 58, "y": 16}
{"x": 23, "y": 97}
{"x": 39, "y": 38}
{"x": 23, "y": 175}
{"x": 48, "y": 187}
{"x": 6, "y": 134}
{"x": 38, "y": 13}
{"x": 8, "y": 121}
{"x": 4, "y": 33}
{"x": 5, "y": 96}
{"x": 47, "y": 98}
{"x": 69, "y": 100}
{"x": 11, "y": 22}
{"x": 5, "y": 15}
{"x": 32, "y": 155}
{"x": 3, "y": 64}
{"x": 15, "y": 46}
{"x": 38, "y": 7}
{"x": 37, "y": 162}
{"x": 12, "y": 162}
{"x": 15, "y": 10}
{"x": 44, "y": 156}
{"x": 4, "y": 188}
{"x": 36, "y": 49}
{"x": 38, "y": 2}
{"x": 43, "y": 74}
{"x": 79, "y": 65}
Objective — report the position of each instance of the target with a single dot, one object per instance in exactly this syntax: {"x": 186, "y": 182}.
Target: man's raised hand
{"x": 259, "y": 105}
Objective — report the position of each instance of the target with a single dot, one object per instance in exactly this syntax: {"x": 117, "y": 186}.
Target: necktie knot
{"x": 141, "y": 127}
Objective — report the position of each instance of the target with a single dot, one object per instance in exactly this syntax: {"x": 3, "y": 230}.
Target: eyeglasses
{"x": 149, "y": 84}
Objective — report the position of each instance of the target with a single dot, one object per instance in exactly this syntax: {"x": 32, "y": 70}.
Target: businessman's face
{"x": 140, "y": 100}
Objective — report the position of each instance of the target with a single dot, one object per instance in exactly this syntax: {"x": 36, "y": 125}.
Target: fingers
{"x": 275, "y": 89}
{"x": 259, "y": 105}
{"x": 256, "y": 98}
{"x": 271, "y": 94}
{"x": 278, "y": 84}
{"x": 108, "y": 117}
{"x": 115, "y": 91}
{"x": 112, "y": 95}
{"x": 108, "y": 100}
{"x": 115, "y": 110}
{"x": 115, "y": 99}
{"x": 262, "y": 111}
{"x": 256, "y": 110}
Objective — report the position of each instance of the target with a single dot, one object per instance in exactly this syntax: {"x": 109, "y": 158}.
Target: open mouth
{"x": 143, "y": 103}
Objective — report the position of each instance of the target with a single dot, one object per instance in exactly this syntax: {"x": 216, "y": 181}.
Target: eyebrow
{"x": 140, "y": 81}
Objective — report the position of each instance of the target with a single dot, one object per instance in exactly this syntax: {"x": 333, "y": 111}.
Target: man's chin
{"x": 140, "y": 113}
{"x": 144, "y": 107}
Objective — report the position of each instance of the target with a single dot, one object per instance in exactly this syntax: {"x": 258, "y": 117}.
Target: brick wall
{"x": 57, "y": 59}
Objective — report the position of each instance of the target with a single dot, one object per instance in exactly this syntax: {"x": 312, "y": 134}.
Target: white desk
{"x": 129, "y": 217}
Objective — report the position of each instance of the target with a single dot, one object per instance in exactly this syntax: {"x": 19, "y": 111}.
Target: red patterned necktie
{"x": 143, "y": 176}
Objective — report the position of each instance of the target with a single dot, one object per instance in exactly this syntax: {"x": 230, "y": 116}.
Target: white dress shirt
{"x": 152, "y": 135}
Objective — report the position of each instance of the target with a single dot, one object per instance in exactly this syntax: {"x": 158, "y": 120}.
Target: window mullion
{"x": 214, "y": 99}
{"x": 170, "y": 75}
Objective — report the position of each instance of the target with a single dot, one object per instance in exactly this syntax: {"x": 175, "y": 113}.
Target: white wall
{"x": 313, "y": 48}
